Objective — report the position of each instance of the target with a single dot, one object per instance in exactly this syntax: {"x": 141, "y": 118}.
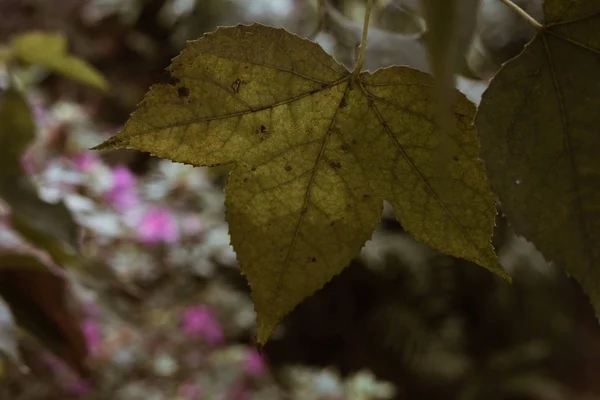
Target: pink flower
{"x": 201, "y": 321}
{"x": 38, "y": 112}
{"x": 28, "y": 162}
{"x": 123, "y": 193}
{"x": 91, "y": 331}
{"x": 254, "y": 363}
{"x": 84, "y": 161}
{"x": 157, "y": 225}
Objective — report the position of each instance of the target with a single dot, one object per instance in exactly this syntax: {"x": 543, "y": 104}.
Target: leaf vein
{"x": 567, "y": 135}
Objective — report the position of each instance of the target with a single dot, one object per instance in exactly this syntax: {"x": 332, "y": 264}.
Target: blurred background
{"x": 160, "y": 310}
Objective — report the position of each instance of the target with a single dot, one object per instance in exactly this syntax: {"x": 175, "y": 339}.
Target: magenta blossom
{"x": 201, "y": 321}
{"x": 123, "y": 192}
{"x": 85, "y": 161}
{"x": 28, "y": 162}
{"x": 157, "y": 224}
{"x": 39, "y": 113}
{"x": 254, "y": 363}
{"x": 91, "y": 331}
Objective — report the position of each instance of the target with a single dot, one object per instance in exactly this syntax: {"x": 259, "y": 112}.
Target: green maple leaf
{"x": 540, "y": 130}
{"x": 316, "y": 151}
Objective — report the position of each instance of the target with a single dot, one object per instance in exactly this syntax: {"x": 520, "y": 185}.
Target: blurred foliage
{"x": 49, "y": 51}
{"x": 36, "y": 297}
{"x": 158, "y": 294}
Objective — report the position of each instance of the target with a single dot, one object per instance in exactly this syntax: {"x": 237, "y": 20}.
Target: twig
{"x": 363, "y": 41}
{"x": 523, "y": 14}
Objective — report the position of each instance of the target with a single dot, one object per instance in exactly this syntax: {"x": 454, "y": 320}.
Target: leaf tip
{"x": 264, "y": 332}
{"x": 101, "y": 83}
{"x": 499, "y": 270}
{"x": 114, "y": 143}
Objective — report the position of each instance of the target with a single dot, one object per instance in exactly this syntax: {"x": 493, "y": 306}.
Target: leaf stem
{"x": 363, "y": 40}
{"x": 523, "y": 14}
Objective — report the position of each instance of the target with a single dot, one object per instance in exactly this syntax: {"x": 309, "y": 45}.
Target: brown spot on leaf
{"x": 262, "y": 132}
{"x": 344, "y": 147}
{"x": 253, "y": 169}
{"x": 288, "y": 168}
{"x": 313, "y": 259}
{"x": 335, "y": 165}
{"x": 183, "y": 91}
{"x": 168, "y": 79}
{"x": 235, "y": 86}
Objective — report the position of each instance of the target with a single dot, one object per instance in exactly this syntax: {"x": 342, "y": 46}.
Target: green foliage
{"x": 49, "y": 50}
{"x": 17, "y": 130}
{"x": 49, "y": 226}
{"x": 36, "y": 297}
{"x": 316, "y": 151}
{"x": 538, "y": 123}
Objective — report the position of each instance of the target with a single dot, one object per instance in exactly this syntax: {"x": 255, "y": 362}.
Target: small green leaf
{"x": 50, "y": 50}
{"x": 50, "y": 227}
{"x": 316, "y": 153}
{"x": 17, "y": 130}
{"x": 540, "y": 131}
{"x": 5, "y": 53}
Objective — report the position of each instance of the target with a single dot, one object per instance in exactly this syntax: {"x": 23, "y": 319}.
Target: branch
{"x": 523, "y": 14}
{"x": 363, "y": 41}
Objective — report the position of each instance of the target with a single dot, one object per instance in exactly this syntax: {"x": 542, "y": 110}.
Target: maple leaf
{"x": 316, "y": 151}
{"x": 538, "y": 123}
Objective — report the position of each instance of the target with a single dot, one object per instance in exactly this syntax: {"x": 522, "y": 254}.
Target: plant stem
{"x": 523, "y": 14}
{"x": 363, "y": 41}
